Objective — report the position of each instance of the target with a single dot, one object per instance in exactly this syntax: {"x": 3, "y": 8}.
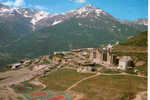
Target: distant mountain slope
{"x": 138, "y": 21}
{"x": 139, "y": 40}
{"x": 13, "y": 29}
{"x": 17, "y": 22}
{"x": 135, "y": 44}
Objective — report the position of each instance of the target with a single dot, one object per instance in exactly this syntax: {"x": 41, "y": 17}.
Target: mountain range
{"x": 26, "y": 33}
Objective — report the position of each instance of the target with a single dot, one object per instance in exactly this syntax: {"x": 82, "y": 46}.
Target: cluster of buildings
{"x": 17, "y": 65}
{"x": 102, "y": 56}
{"x": 27, "y": 62}
{"x": 105, "y": 56}
{"x": 82, "y": 59}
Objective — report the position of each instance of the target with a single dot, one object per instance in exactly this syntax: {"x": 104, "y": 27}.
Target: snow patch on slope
{"x": 80, "y": 11}
{"x": 79, "y": 24}
{"x": 38, "y": 16}
{"x": 98, "y": 12}
{"x": 56, "y": 22}
{"x": 5, "y": 11}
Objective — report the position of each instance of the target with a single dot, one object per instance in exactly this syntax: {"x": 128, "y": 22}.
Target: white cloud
{"x": 40, "y": 7}
{"x": 21, "y": 3}
{"x": 16, "y": 3}
{"x": 79, "y": 1}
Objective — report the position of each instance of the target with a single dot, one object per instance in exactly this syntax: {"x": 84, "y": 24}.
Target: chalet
{"x": 125, "y": 62}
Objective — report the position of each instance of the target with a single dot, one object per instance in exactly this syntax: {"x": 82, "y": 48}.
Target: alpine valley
{"x": 28, "y": 33}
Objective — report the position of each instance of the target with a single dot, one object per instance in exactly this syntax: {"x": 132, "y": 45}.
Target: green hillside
{"x": 139, "y": 40}
{"x": 137, "y": 48}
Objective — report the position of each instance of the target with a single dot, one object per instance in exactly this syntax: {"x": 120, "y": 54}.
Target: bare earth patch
{"x": 141, "y": 96}
{"x": 140, "y": 63}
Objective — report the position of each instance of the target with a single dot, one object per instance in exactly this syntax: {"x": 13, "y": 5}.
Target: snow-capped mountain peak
{"x": 89, "y": 6}
{"x": 37, "y": 19}
{"x": 39, "y": 16}
{"x": 86, "y": 10}
{"x": 35, "y": 15}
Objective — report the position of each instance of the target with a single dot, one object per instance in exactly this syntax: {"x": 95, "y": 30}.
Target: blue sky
{"x": 123, "y": 9}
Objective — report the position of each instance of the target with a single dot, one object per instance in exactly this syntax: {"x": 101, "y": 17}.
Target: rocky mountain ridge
{"x": 38, "y": 19}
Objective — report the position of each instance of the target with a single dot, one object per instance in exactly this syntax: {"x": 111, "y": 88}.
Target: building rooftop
{"x": 125, "y": 58}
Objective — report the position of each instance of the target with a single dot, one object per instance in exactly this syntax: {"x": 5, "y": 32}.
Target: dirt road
{"x": 74, "y": 85}
{"x": 93, "y": 76}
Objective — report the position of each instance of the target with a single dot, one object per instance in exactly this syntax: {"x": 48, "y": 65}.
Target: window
{"x": 94, "y": 54}
{"x": 104, "y": 56}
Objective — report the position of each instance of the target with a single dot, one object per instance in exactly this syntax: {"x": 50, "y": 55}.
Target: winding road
{"x": 74, "y": 85}
{"x": 93, "y": 76}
